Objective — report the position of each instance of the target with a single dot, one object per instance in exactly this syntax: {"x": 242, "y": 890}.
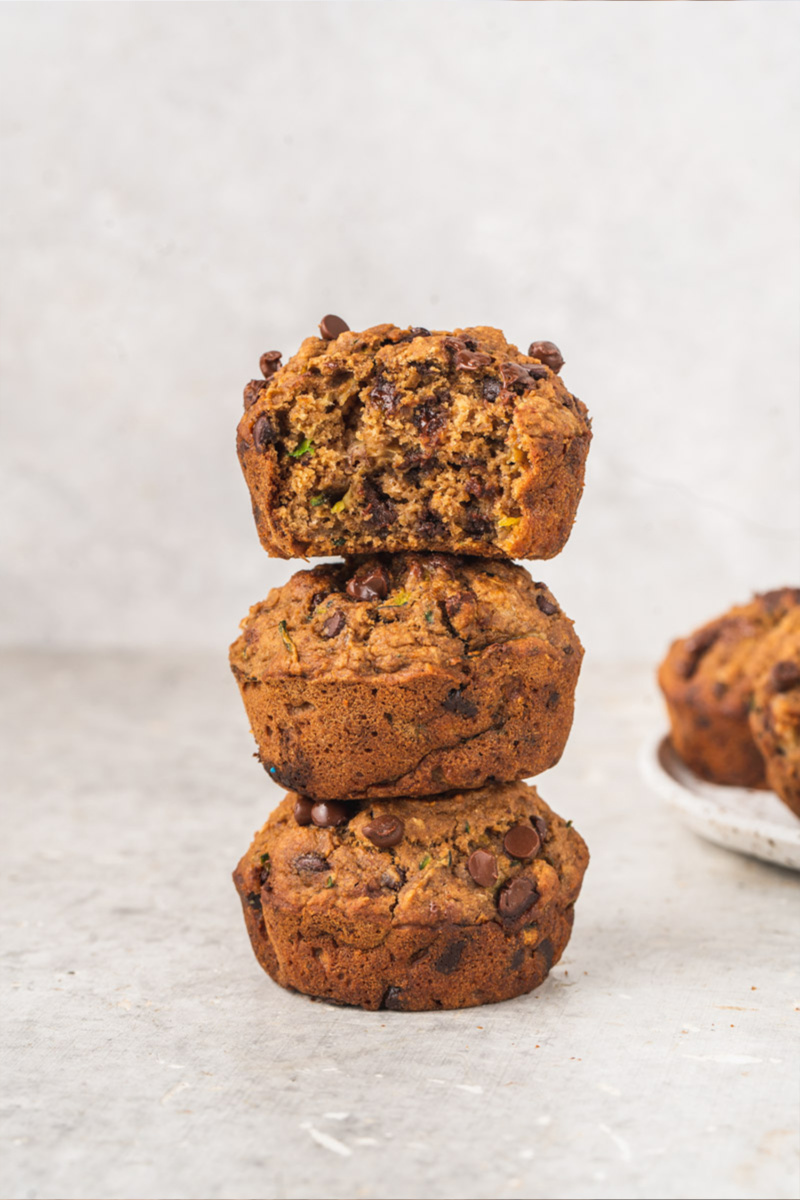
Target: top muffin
{"x": 403, "y": 439}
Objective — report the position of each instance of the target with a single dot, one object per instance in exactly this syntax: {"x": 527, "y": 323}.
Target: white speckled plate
{"x": 743, "y": 819}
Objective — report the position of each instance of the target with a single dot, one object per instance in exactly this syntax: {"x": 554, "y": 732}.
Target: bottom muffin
{"x": 459, "y": 900}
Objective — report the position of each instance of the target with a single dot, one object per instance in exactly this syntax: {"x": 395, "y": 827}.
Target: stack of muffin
{"x": 402, "y": 692}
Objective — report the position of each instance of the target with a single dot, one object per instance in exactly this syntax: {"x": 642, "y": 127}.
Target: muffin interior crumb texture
{"x": 401, "y": 436}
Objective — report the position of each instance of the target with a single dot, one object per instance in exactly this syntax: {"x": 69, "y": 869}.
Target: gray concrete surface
{"x": 146, "y": 1055}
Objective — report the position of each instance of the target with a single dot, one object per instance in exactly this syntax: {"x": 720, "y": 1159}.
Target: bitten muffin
{"x": 402, "y": 439}
{"x": 775, "y": 713}
{"x": 413, "y": 904}
{"x": 707, "y": 680}
{"x": 406, "y": 675}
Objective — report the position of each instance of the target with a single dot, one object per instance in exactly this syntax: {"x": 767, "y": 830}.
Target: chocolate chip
{"x": 430, "y": 417}
{"x": 545, "y": 605}
{"x": 310, "y": 862}
{"x": 269, "y": 363}
{"x": 385, "y": 830}
{"x": 540, "y": 826}
{"x": 694, "y": 648}
{"x": 369, "y": 583}
{"x": 254, "y": 899}
{"x": 448, "y": 962}
{"x": 518, "y": 958}
{"x": 569, "y": 915}
{"x": 478, "y": 526}
{"x": 491, "y": 389}
{"x": 466, "y": 360}
{"x": 482, "y": 866}
{"x": 334, "y": 624}
{"x": 547, "y": 353}
{"x": 264, "y": 433}
{"x": 328, "y": 813}
{"x": 393, "y": 878}
{"x": 302, "y": 810}
{"x": 330, "y": 327}
{"x": 522, "y": 841}
{"x": 456, "y": 702}
{"x": 378, "y": 508}
{"x": 784, "y": 675}
{"x": 317, "y": 599}
{"x": 516, "y": 897}
{"x": 547, "y": 951}
{"x": 385, "y": 394}
{"x": 454, "y": 604}
{"x": 252, "y": 392}
{"x": 418, "y": 331}
{"x": 553, "y": 699}
{"x": 430, "y": 525}
{"x": 391, "y": 999}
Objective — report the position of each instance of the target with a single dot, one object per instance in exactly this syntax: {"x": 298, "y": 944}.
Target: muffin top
{"x": 465, "y": 858}
{"x": 723, "y": 657}
{"x": 385, "y": 614}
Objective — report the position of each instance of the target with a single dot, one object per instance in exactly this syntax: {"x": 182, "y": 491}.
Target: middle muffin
{"x": 407, "y": 675}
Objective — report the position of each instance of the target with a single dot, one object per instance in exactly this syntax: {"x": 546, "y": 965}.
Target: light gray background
{"x": 186, "y": 186}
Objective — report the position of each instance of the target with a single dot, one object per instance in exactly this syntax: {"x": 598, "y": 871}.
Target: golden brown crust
{"x": 454, "y": 673}
{"x": 775, "y": 712}
{"x": 384, "y": 440}
{"x": 707, "y": 680}
{"x": 331, "y": 914}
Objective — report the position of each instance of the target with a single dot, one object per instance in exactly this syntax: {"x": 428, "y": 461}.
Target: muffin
{"x": 407, "y": 675}
{"x": 402, "y": 439}
{"x": 707, "y": 680}
{"x": 775, "y": 713}
{"x": 413, "y": 904}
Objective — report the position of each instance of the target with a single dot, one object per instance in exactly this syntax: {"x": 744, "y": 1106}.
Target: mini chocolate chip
{"x": 540, "y": 826}
{"x": 784, "y": 675}
{"x": 252, "y": 392}
{"x": 370, "y": 582}
{"x": 386, "y": 395}
{"x": 327, "y": 813}
{"x": 547, "y": 951}
{"x": 546, "y": 606}
{"x": 517, "y": 896}
{"x": 430, "y": 417}
{"x": 456, "y": 702}
{"x": 254, "y": 899}
{"x": 449, "y": 960}
{"x": 491, "y": 389}
{"x": 522, "y": 841}
{"x": 330, "y": 327}
{"x": 302, "y": 810}
{"x": 547, "y": 353}
{"x": 385, "y": 830}
{"x": 269, "y": 363}
{"x": 392, "y": 999}
{"x": 310, "y": 862}
{"x": 553, "y": 699}
{"x": 482, "y": 866}
{"x": 334, "y": 624}
{"x": 264, "y": 433}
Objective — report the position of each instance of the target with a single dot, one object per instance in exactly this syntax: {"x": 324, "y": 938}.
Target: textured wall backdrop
{"x": 185, "y": 186}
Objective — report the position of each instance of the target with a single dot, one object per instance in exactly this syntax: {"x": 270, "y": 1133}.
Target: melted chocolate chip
{"x": 546, "y": 606}
{"x": 330, "y": 327}
{"x": 522, "y": 841}
{"x": 516, "y": 897}
{"x": 385, "y": 830}
{"x": 393, "y": 878}
{"x": 317, "y": 599}
{"x": 385, "y": 394}
{"x": 454, "y": 604}
{"x": 370, "y": 582}
{"x": 518, "y": 958}
{"x": 430, "y": 417}
{"x": 694, "y": 648}
{"x": 310, "y": 862}
{"x": 430, "y": 525}
{"x": 329, "y": 813}
{"x": 547, "y": 353}
{"x": 449, "y": 961}
{"x": 456, "y": 702}
{"x": 784, "y": 675}
{"x": 269, "y": 363}
{"x": 419, "y": 331}
{"x": 264, "y": 434}
{"x": 478, "y": 526}
{"x": 491, "y": 389}
{"x": 378, "y": 508}
{"x": 482, "y": 866}
{"x": 540, "y": 826}
{"x": 334, "y": 624}
{"x": 302, "y": 810}
{"x": 547, "y": 951}
{"x": 252, "y": 392}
